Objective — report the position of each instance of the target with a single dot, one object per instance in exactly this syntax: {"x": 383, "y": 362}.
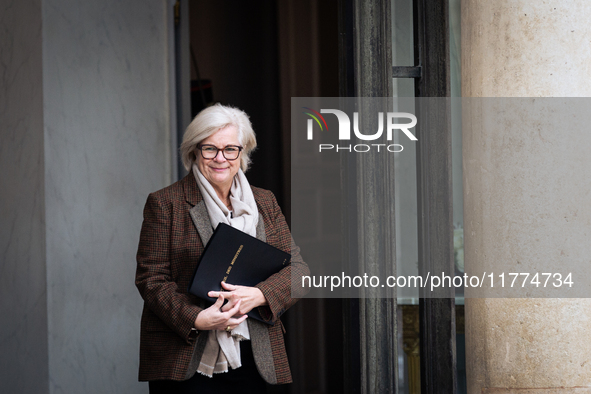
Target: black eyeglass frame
{"x": 200, "y": 147}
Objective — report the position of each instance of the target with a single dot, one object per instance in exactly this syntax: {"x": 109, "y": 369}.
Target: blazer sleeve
{"x": 153, "y": 275}
{"x": 278, "y": 289}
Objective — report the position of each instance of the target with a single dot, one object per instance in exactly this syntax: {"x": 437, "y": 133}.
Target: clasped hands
{"x": 241, "y": 300}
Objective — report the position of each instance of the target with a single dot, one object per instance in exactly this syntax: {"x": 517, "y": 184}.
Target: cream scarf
{"x": 223, "y": 348}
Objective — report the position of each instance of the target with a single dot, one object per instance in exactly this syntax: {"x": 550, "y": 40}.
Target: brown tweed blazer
{"x": 175, "y": 229}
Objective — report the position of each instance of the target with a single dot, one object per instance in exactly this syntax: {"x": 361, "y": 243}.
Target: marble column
{"x": 85, "y": 136}
{"x": 23, "y": 285}
{"x": 525, "y": 48}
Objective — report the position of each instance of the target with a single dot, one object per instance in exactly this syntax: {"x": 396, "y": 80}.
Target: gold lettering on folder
{"x": 232, "y": 263}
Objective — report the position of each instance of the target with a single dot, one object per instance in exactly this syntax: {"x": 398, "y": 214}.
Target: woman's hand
{"x": 214, "y": 318}
{"x": 245, "y": 297}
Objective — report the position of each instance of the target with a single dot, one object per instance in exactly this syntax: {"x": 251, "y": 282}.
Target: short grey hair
{"x": 208, "y": 122}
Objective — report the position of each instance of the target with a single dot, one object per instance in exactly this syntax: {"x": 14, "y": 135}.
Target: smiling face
{"x": 219, "y": 171}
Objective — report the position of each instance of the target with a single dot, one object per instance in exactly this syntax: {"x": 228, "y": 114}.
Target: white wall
{"x": 23, "y": 312}
{"x": 99, "y": 146}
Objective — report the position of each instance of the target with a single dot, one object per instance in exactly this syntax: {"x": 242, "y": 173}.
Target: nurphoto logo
{"x": 392, "y": 120}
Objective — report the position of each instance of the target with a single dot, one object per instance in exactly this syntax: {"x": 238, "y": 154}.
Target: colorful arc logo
{"x": 315, "y": 117}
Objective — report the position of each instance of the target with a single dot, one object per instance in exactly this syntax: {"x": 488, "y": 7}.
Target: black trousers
{"x": 246, "y": 379}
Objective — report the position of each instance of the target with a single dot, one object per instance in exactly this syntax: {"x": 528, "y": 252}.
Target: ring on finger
{"x": 228, "y": 329}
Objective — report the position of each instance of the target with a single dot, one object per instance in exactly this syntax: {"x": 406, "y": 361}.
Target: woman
{"x": 185, "y": 345}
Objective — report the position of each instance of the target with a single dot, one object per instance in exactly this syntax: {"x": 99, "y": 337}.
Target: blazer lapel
{"x": 261, "y": 230}
{"x": 201, "y": 220}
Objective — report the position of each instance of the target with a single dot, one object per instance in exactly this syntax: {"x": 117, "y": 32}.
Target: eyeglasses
{"x": 230, "y": 152}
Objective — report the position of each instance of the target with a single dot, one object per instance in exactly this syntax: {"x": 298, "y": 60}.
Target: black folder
{"x": 237, "y": 258}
